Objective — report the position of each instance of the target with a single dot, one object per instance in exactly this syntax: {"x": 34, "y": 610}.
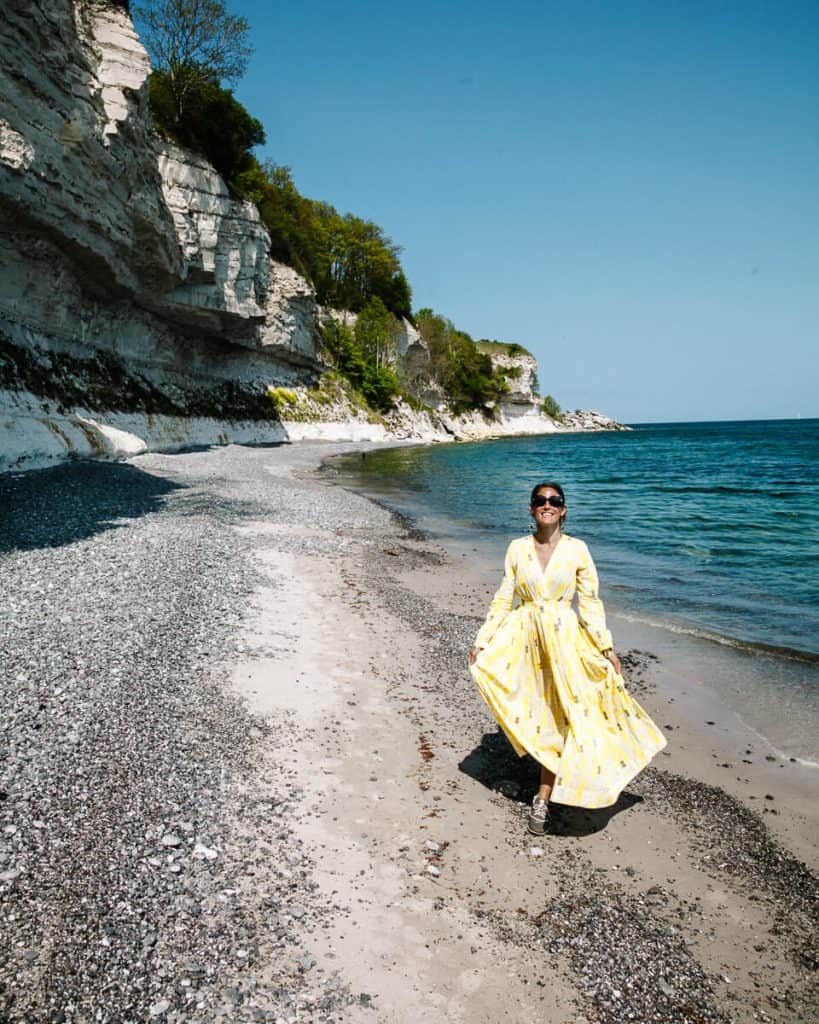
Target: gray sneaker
{"x": 538, "y": 817}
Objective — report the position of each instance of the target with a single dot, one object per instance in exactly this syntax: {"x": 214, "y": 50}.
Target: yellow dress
{"x": 545, "y": 680}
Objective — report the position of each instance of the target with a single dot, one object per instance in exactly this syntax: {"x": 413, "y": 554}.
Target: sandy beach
{"x": 247, "y": 777}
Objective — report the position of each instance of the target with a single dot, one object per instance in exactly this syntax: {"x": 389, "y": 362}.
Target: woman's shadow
{"x": 496, "y": 765}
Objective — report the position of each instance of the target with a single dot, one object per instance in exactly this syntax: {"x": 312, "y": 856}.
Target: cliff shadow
{"x": 495, "y": 765}
{"x": 49, "y": 508}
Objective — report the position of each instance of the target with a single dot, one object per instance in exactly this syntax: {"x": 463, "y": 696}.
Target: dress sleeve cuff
{"x": 603, "y": 640}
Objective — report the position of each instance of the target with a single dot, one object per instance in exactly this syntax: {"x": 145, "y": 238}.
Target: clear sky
{"x": 629, "y": 189}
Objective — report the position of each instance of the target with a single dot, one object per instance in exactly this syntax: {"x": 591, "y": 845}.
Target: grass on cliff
{"x": 503, "y": 348}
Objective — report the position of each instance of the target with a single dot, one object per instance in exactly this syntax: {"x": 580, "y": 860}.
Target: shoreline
{"x": 713, "y": 730}
{"x": 369, "y": 859}
{"x": 772, "y": 686}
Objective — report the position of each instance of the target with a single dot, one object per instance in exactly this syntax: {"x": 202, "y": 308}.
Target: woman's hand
{"x": 612, "y": 657}
{"x": 473, "y": 653}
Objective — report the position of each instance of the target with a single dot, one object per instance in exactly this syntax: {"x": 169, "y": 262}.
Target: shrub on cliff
{"x": 507, "y": 348}
{"x": 350, "y": 261}
{"x": 213, "y": 123}
{"x": 551, "y": 409}
{"x": 466, "y": 374}
{"x": 378, "y": 385}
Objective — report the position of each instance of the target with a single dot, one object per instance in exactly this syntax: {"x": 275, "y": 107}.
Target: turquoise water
{"x": 707, "y": 526}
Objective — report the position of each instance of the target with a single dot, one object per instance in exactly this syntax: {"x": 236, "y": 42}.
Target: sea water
{"x": 708, "y": 531}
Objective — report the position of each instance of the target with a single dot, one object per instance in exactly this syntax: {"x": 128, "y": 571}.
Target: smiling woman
{"x": 551, "y": 677}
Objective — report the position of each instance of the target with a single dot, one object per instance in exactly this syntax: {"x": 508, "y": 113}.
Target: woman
{"x": 551, "y": 677}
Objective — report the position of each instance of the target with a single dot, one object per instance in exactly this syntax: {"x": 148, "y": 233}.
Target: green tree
{"x": 194, "y": 42}
{"x": 466, "y": 374}
{"x": 551, "y": 408}
{"x": 398, "y": 295}
{"x": 376, "y": 332}
{"x": 378, "y": 385}
{"x": 357, "y": 260}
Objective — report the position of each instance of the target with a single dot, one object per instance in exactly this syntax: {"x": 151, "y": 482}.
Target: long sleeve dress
{"x": 543, "y": 675}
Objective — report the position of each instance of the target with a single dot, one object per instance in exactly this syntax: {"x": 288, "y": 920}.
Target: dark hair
{"x": 555, "y": 487}
{"x": 547, "y": 483}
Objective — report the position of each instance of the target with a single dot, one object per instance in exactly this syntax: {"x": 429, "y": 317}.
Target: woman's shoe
{"x": 538, "y": 816}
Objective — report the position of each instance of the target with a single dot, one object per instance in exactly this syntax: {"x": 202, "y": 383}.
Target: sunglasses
{"x": 552, "y": 499}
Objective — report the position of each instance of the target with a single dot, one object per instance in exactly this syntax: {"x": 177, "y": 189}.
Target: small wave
{"x": 806, "y": 762}
{"x": 747, "y": 646}
{"x": 739, "y": 490}
{"x": 695, "y": 552}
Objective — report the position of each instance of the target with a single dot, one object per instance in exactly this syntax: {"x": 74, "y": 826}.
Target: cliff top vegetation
{"x": 199, "y": 49}
{"x": 507, "y": 348}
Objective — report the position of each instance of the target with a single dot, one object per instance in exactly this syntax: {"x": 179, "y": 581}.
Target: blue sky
{"x": 630, "y": 189}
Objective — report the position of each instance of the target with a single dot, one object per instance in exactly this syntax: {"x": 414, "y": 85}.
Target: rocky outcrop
{"x": 225, "y": 248}
{"x": 521, "y": 371}
{"x": 412, "y": 351}
{"x": 589, "y": 419}
{"x": 292, "y": 315}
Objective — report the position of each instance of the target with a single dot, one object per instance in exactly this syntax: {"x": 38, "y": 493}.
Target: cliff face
{"x": 104, "y": 225}
{"x": 138, "y": 303}
{"x": 131, "y": 283}
{"x": 76, "y": 158}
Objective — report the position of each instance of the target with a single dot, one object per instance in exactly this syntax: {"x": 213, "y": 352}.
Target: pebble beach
{"x": 244, "y": 776}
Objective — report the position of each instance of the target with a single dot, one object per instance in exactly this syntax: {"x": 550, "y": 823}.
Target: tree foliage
{"x": 378, "y": 385}
{"x": 350, "y": 261}
{"x": 196, "y": 47}
{"x": 551, "y": 408}
{"x": 376, "y": 332}
{"x": 466, "y": 374}
{"x": 194, "y": 42}
{"x": 213, "y": 123}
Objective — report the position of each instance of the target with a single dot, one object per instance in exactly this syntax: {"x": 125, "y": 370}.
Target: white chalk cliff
{"x": 139, "y": 306}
